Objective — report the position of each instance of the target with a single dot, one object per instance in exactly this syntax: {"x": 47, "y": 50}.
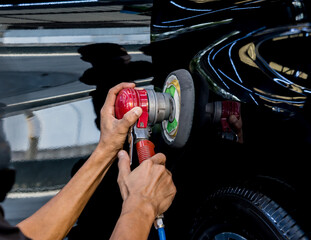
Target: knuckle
{"x": 102, "y": 110}
{"x": 162, "y": 169}
{"x": 125, "y": 123}
{"x": 162, "y": 157}
{"x": 148, "y": 163}
{"x": 111, "y": 91}
{"x": 174, "y": 191}
{"x": 170, "y": 180}
{"x": 119, "y": 180}
{"x": 172, "y": 185}
{"x": 126, "y": 119}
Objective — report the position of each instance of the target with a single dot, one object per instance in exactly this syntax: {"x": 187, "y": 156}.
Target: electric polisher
{"x": 172, "y": 108}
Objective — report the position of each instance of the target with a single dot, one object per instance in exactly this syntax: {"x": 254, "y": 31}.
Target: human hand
{"x": 236, "y": 125}
{"x": 150, "y": 184}
{"x": 113, "y": 130}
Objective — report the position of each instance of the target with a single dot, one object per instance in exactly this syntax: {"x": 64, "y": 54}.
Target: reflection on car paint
{"x": 59, "y": 132}
{"x": 249, "y": 48}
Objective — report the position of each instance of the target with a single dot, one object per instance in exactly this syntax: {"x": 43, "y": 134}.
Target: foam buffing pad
{"x": 176, "y": 131}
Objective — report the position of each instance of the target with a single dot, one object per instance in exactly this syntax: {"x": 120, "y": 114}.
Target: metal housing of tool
{"x": 173, "y": 108}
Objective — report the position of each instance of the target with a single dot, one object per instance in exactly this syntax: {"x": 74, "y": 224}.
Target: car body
{"x": 251, "y": 52}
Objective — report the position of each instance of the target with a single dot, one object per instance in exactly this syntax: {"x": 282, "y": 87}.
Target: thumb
{"x": 131, "y": 117}
{"x": 124, "y": 171}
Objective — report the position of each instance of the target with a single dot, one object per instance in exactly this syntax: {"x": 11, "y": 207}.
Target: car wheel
{"x": 242, "y": 214}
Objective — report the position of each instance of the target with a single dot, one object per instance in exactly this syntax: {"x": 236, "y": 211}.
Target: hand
{"x": 236, "y": 125}
{"x": 114, "y": 131}
{"x": 150, "y": 183}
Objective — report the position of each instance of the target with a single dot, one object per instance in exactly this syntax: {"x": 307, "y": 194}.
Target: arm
{"x": 55, "y": 218}
{"x": 134, "y": 222}
{"x": 147, "y": 192}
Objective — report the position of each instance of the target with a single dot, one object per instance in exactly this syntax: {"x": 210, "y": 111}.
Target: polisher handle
{"x": 145, "y": 150}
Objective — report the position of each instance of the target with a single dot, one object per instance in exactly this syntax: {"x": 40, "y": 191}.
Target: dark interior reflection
{"x": 290, "y": 62}
{"x": 111, "y": 64}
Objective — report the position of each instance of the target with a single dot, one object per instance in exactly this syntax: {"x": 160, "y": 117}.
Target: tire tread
{"x": 283, "y": 222}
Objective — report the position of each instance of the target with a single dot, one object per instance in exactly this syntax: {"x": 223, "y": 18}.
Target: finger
{"x": 235, "y": 122}
{"x": 169, "y": 172}
{"x": 166, "y": 203}
{"x": 112, "y": 95}
{"x": 159, "y": 158}
{"x": 169, "y": 195}
{"x": 124, "y": 163}
{"x": 124, "y": 171}
{"x": 113, "y": 92}
{"x": 131, "y": 117}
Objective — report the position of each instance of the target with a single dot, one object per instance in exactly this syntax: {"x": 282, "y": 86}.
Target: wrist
{"x": 101, "y": 159}
{"x": 135, "y": 221}
{"x": 139, "y": 207}
{"x": 105, "y": 150}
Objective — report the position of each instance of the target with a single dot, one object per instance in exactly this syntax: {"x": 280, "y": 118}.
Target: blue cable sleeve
{"x": 161, "y": 233}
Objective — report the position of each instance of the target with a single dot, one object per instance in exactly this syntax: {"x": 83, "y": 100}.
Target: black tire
{"x": 238, "y": 214}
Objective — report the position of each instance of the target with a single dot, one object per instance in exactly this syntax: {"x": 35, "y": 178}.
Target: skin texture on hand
{"x": 114, "y": 131}
{"x": 147, "y": 191}
{"x": 55, "y": 219}
{"x": 150, "y": 181}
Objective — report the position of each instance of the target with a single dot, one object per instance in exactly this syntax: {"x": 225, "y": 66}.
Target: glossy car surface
{"x": 54, "y": 79}
{"x": 255, "y": 53}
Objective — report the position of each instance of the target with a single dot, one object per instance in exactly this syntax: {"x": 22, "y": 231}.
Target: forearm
{"x": 135, "y": 221}
{"x": 55, "y": 219}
